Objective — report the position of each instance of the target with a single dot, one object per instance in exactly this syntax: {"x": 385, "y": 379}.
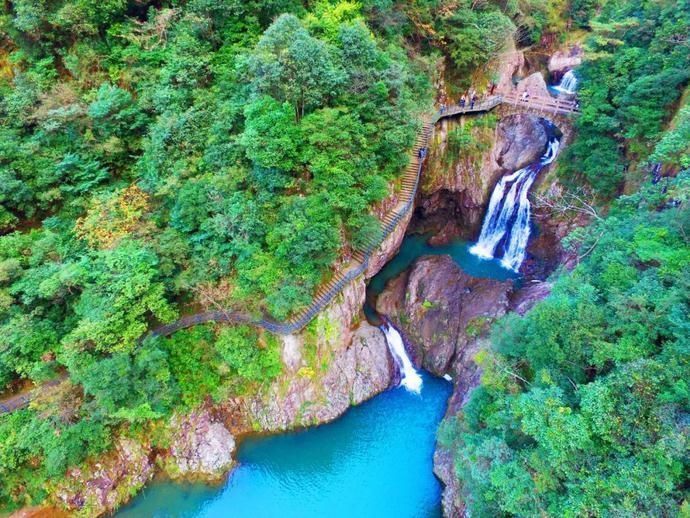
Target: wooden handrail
{"x": 361, "y": 256}
{"x": 360, "y": 261}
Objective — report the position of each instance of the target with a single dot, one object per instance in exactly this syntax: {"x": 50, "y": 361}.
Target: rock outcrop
{"x": 456, "y": 189}
{"x": 441, "y": 310}
{"x": 533, "y": 84}
{"x": 444, "y": 469}
{"x": 101, "y": 486}
{"x": 329, "y": 376}
{"x": 201, "y": 447}
{"x": 521, "y": 140}
{"x": 526, "y": 297}
{"x": 444, "y": 314}
{"x": 563, "y": 60}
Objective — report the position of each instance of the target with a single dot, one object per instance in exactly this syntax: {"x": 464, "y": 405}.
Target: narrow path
{"x": 360, "y": 258}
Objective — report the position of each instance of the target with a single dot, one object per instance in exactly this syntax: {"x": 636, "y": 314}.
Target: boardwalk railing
{"x": 541, "y": 103}
{"x": 360, "y": 258}
{"x": 482, "y": 106}
{"x": 358, "y": 264}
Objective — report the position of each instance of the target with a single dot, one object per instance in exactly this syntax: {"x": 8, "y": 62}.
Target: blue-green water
{"x": 375, "y": 461}
{"x": 415, "y": 246}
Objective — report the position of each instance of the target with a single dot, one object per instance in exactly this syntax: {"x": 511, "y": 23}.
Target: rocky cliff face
{"x": 106, "y": 483}
{"x": 323, "y": 386}
{"x": 337, "y": 361}
{"x": 441, "y": 309}
{"x": 565, "y": 59}
{"x": 201, "y": 446}
{"x": 457, "y": 185}
{"x": 444, "y": 315}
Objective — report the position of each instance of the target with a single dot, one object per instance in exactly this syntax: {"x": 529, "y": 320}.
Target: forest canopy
{"x": 158, "y": 157}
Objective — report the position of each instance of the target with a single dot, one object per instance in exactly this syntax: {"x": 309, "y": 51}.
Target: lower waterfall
{"x": 507, "y": 220}
{"x": 411, "y": 379}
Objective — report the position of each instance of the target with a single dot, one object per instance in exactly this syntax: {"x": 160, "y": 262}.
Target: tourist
{"x": 474, "y": 100}
{"x": 463, "y": 101}
{"x": 525, "y": 96}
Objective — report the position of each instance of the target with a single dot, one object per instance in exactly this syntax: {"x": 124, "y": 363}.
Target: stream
{"x": 376, "y": 460}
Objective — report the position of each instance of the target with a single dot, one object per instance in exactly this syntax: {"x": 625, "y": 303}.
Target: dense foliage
{"x": 638, "y": 59}
{"x": 584, "y": 403}
{"x": 160, "y": 156}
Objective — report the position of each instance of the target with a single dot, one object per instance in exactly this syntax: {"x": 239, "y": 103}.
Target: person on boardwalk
{"x": 525, "y": 96}
{"x": 463, "y": 101}
{"x": 474, "y": 100}
{"x": 492, "y": 88}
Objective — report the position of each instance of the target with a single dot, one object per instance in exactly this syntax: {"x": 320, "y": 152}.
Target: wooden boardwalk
{"x": 360, "y": 258}
{"x": 342, "y": 277}
{"x": 541, "y": 104}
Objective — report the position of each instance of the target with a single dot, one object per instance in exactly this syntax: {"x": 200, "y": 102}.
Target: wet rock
{"x": 545, "y": 252}
{"x": 201, "y": 447}
{"x": 456, "y": 190}
{"x": 442, "y": 310}
{"x": 522, "y": 139}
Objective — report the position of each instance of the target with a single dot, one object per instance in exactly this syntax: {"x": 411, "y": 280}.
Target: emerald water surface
{"x": 415, "y": 246}
{"x": 375, "y": 461}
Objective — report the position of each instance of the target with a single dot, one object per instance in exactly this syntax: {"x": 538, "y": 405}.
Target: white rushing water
{"x": 411, "y": 379}
{"x": 507, "y": 218}
{"x": 568, "y": 83}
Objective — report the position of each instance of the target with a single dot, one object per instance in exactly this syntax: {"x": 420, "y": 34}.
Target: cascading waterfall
{"x": 508, "y": 215}
{"x": 411, "y": 379}
{"x": 568, "y": 83}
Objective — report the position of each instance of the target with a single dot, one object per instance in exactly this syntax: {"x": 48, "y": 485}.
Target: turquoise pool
{"x": 375, "y": 461}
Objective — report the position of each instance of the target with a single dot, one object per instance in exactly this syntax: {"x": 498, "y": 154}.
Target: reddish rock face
{"x": 442, "y": 310}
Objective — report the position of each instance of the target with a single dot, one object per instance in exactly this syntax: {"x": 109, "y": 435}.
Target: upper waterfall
{"x": 508, "y": 216}
{"x": 568, "y": 84}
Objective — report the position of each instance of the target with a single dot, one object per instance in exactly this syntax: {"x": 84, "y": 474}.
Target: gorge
{"x": 296, "y": 469}
{"x": 379, "y": 258}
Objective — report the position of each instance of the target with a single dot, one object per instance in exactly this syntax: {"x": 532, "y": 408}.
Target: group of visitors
{"x": 470, "y": 98}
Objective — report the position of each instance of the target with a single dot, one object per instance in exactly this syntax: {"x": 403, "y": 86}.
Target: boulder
{"x": 533, "y": 84}
{"x": 521, "y": 140}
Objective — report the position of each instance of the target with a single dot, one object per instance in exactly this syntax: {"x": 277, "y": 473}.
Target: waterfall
{"x": 411, "y": 379}
{"x": 508, "y": 215}
{"x": 568, "y": 83}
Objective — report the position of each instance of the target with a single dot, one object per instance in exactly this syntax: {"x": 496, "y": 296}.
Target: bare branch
{"x": 569, "y": 202}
